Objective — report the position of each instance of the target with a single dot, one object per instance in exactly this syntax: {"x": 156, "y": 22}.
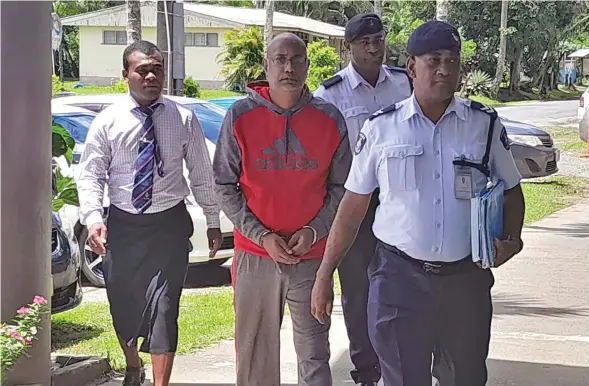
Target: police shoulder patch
{"x": 332, "y": 81}
{"x": 386, "y": 110}
{"x": 360, "y": 142}
{"x": 504, "y": 138}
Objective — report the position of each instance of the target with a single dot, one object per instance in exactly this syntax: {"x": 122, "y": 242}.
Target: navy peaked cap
{"x": 433, "y": 36}
{"x": 362, "y": 25}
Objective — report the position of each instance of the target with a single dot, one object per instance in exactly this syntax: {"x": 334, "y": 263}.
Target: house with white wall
{"x": 103, "y": 37}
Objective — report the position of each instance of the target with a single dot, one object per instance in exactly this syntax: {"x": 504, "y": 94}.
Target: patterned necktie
{"x": 149, "y": 156}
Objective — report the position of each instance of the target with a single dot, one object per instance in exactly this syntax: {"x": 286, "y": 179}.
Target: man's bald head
{"x": 286, "y": 63}
{"x": 286, "y": 38}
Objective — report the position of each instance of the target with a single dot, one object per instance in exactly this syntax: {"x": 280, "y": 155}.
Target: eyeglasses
{"x": 282, "y": 61}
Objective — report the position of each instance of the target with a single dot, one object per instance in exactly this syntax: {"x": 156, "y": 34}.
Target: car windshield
{"x": 76, "y": 124}
{"x": 210, "y": 118}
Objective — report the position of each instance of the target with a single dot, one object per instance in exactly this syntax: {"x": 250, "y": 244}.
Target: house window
{"x": 201, "y": 39}
{"x": 114, "y": 37}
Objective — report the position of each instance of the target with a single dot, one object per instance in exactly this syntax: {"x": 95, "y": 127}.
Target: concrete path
{"x": 540, "y": 328}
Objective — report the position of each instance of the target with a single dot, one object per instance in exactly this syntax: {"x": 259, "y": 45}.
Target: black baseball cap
{"x": 362, "y": 25}
{"x": 433, "y": 36}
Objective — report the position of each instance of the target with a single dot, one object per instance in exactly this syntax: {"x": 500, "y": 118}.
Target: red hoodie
{"x": 281, "y": 170}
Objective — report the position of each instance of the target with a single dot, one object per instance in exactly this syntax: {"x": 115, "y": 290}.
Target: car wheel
{"x": 217, "y": 262}
{"x": 91, "y": 262}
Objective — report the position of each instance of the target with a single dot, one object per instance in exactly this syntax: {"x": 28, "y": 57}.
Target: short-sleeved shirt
{"x": 411, "y": 159}
{"x": 357, "y": 99}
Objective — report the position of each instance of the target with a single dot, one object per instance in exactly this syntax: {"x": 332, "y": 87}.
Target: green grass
{"x": 89, "y": 90}
{"x": 522, "y": 97}
{"x": 205, "y": 319}
{"x": 546, "y": 196}
{"x": 566, "y": 139}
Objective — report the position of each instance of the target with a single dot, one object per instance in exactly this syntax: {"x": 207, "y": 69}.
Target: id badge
{"x": 463, "y": 182}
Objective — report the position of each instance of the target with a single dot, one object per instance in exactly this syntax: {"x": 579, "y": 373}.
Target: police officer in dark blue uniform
{"x": 429, "y": 155}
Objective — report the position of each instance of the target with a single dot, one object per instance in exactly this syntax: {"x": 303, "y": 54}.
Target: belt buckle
{"x": 431, "y": 268}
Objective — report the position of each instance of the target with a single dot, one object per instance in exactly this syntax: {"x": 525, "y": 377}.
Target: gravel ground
{"x": 570, "y": 163}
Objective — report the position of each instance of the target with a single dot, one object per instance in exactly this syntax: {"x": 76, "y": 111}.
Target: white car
{"x": 583, "y": 104}
{"x": 76, "y": 113}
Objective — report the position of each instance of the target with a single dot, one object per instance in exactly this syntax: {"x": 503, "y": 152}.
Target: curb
{"x": 79, "y": 370}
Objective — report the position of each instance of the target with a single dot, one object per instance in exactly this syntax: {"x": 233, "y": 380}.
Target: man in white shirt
{"x": 139, "y": 145}
{"x": 359, "y": 90}
{"x": 429, "y": 156}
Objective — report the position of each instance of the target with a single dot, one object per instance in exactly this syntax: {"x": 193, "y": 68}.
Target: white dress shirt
{"x": 357, "y": 100}
{"x": 111, "y": 151}
{"x": 411, "y": 159}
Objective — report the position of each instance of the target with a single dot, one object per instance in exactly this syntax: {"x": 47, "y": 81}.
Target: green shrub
{"x": 191, "y": 88}
{"x": 120, "y": 87}
{"x": 323, "y": 63}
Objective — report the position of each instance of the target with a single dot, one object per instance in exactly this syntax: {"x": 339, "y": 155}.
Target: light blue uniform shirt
{"x": 411, "y": 159}
{"x": 357, "y": 100}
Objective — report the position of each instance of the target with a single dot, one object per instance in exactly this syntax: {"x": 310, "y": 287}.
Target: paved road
{"x": 554, "y": 113}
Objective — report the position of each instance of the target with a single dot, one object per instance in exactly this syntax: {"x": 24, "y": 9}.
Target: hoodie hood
{"x": 259, "y": 92}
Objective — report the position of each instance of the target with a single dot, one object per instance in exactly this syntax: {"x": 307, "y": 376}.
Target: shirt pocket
{"x": 399, "y": 163}
{"x": 355, "y": 118}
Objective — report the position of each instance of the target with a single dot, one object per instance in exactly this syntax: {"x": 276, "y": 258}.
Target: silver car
{"x": 533, "y": 149}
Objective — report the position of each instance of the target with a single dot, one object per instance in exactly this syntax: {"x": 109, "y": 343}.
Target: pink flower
{"x": 23, "y": 310}
{"x": 28, "y": 340}
{"x": 39, "y": 300}
{"x": 15, "y": 335}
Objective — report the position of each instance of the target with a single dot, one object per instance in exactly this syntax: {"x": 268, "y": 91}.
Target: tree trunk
{"x": 378, "y": 7}
{"x": 442, "y": 10}
{"x": 133, "y": 21}
{"x": 514, "y": 77}
{"x": 268, "y": 26}
{"x": 502, "y": 49}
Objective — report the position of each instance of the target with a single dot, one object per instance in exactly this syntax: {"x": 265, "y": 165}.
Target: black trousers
{"x": 415, "y": 310}
{"x": 144, "y": 270}
{"x": 353, "y": 274}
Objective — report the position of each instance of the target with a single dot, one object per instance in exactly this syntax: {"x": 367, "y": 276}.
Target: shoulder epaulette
{"x": 386, "y": 110}
{"x": 332, "y": 81}
{"x": 397, "y": 69}
{"x": 481, "y": 107}
{"x": 403, "y": 71}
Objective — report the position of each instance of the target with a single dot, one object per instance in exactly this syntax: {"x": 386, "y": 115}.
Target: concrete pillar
{"x": 25, "y": 172}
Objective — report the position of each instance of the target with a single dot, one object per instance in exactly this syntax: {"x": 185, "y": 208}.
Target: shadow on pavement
{"x": 579, "y": 230}
{"x": 207, "y": 275}
{"x": 516, "y": 305}
{"x": 515, "y": 373}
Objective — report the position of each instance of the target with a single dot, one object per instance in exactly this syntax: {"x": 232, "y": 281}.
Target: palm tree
{"x": 133, "y": 21}
{"x": 442, "y": 10}
{"x": 502, "y": 49}
{"x": 378, "y": 7}
{"x": 268, "y": 26}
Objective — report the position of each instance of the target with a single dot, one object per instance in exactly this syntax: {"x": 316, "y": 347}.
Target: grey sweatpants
{"x": 261, "y": 292}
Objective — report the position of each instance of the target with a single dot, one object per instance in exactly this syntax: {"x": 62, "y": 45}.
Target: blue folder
{"x": 486, "y": 223}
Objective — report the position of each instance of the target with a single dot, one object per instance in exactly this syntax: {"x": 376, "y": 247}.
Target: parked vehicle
{"x": 583, "y": 104}
{"x": 76, "y": 121}
{"x": 584, "y": 125}
{"x": 210, "y": 117}
{"x": 532, "y": 148}
{"x": 226, "y": 102}
{"x": 66, "y": 265}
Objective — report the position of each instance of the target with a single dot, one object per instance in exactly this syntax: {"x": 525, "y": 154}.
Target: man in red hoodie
{"x": 281, "y": 162}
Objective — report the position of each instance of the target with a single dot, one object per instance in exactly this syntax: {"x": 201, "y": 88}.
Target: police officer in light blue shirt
{"x": 429, "y": 155}
{"x": 362, "y": 88}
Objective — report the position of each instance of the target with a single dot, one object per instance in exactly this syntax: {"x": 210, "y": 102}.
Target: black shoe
{"x": 134, "y": 376}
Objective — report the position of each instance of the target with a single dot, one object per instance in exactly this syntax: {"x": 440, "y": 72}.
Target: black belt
{"x": 438, "y": 267}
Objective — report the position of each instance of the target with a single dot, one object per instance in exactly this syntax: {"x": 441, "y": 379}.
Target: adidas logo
{"x": 286, "y": 153}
